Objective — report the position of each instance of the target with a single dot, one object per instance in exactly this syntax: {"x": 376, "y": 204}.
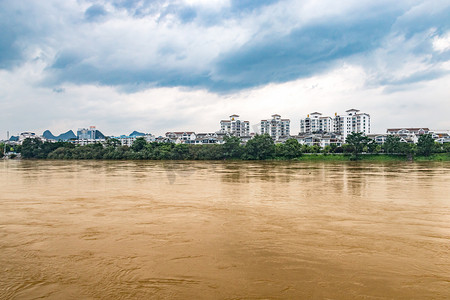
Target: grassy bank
{"x": 373, "y": 157}
{"x": 434, "y": 157}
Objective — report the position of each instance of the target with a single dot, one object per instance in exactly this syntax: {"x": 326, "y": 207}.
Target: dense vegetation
{"x": 261, "y": 147}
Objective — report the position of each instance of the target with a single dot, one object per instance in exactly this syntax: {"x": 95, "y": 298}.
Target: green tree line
{"x": 261, "y": 147}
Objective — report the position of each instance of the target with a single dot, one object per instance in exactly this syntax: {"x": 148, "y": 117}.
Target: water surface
{"x": 238, "y": 230}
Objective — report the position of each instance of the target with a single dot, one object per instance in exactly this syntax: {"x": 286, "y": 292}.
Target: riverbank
{"x": 372, "y": 157}
{"x": 304, "y": 157}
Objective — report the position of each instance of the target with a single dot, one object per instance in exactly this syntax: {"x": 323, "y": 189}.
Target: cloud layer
{"x": 218, "y": 45}
{"x": 221, "y": 48}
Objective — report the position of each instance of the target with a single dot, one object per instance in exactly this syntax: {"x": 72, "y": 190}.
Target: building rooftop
{"x": 409, "y": 129}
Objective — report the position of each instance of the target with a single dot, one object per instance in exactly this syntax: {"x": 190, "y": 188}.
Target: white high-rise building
{"x": 315, "y": 123}
{"x": 276, "y": 127}
{"x": 354, "y": 121}
{"x": 235, "y": 127}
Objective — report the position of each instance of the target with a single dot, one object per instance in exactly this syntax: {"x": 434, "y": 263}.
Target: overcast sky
{"x": 157, "y": 65}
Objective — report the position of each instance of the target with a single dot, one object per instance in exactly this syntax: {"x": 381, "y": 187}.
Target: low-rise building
{"x": 28, "y": 135}
{"x": 378, "y": 138}
{"x": 209, "y": 138}
{"x": 408, "y": 131}
{"x": 319, "y": 139}
{"x": 181, "y": 137}
{"x": 128, "y": 140}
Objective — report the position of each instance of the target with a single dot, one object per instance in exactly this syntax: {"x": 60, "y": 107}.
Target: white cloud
{"x": 442, "y": 43}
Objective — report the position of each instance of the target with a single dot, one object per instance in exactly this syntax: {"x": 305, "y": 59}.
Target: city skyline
{"x": 159, "y": 66}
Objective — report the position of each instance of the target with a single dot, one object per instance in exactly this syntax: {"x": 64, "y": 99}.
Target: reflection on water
{"x": 113, "y": 230}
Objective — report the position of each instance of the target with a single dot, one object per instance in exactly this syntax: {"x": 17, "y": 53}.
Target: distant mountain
{"x": 66, "y": 136}
{"x": 62, "y": 137}
{"x": 137, "y": 133}
{"x": 99, "y": 135}
{"x": 48, "y": 135}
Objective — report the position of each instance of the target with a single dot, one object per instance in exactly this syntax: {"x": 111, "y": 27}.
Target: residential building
{"x": 209, "y": 138}
{"x": 319, "y": 139}
{"x": 128, "y": 140}
{"x": 353, "y": 121}
{"x": 408, "y": 135}
{"x": 378, "y": 138}
{"x": 407, "y": 131}
{"x": 276, "y": 127}
{"x": 234, "y": 126}
{"x": 28, "y": 135}
{"x": 316, "y": 123}
{"x": 84, "y": 142}
{"x": 181, "y": 137}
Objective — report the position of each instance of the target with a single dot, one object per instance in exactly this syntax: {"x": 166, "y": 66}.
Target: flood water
{"x": 224, "y": 230}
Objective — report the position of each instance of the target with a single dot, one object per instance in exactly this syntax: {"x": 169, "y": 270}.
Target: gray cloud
{"x": 95, "y": 12}
{"x": 240, "y": 45}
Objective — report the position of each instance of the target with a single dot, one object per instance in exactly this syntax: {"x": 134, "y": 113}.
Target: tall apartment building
{"x": 353, "y": 121}
{"x": 276, "y": 127}
{"x": 315, "y": 123}
{"x": 235, "y": 127}
{"x": 86, "y": 134}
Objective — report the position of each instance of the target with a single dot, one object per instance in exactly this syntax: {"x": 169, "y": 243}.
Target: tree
{"x": 407, "y": 149}
{"x": 425, "y": 145}
{"x": 260, "y": 147}
{"x": 180, "y": 152}
{"x": 32, "y": 148}
{"x": 373, "y": 147}
{"x": 331, "y": 148}
{"x": 290, "y": 149}
{"x": 232, "y": 147}
{"x": 358, "y": 141}
{"x": 306, "y": 148}
{"x": 139, "y": 144}
{"x": 392, "y": 144}
{"x": 316, "y": 149}
{"x": 446, "y": 147}
{"x": 112, "y": 142}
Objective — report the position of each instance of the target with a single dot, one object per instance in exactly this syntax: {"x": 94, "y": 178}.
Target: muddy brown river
{"x": 224, "y": 230}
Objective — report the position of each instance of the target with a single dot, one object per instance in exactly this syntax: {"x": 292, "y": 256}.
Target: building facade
{"x": 416, "y": 131}
{"x": 276, "y": 127}
{"x": 353, "y": 121}
{"x": 128, "y": 140}
{"x": 181, "y": 137}
{"x": 316, "y": 123}
{"x": 87, "y": 134}
{"x": 343, "y": 125}
{"x": 234, "y": 126}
